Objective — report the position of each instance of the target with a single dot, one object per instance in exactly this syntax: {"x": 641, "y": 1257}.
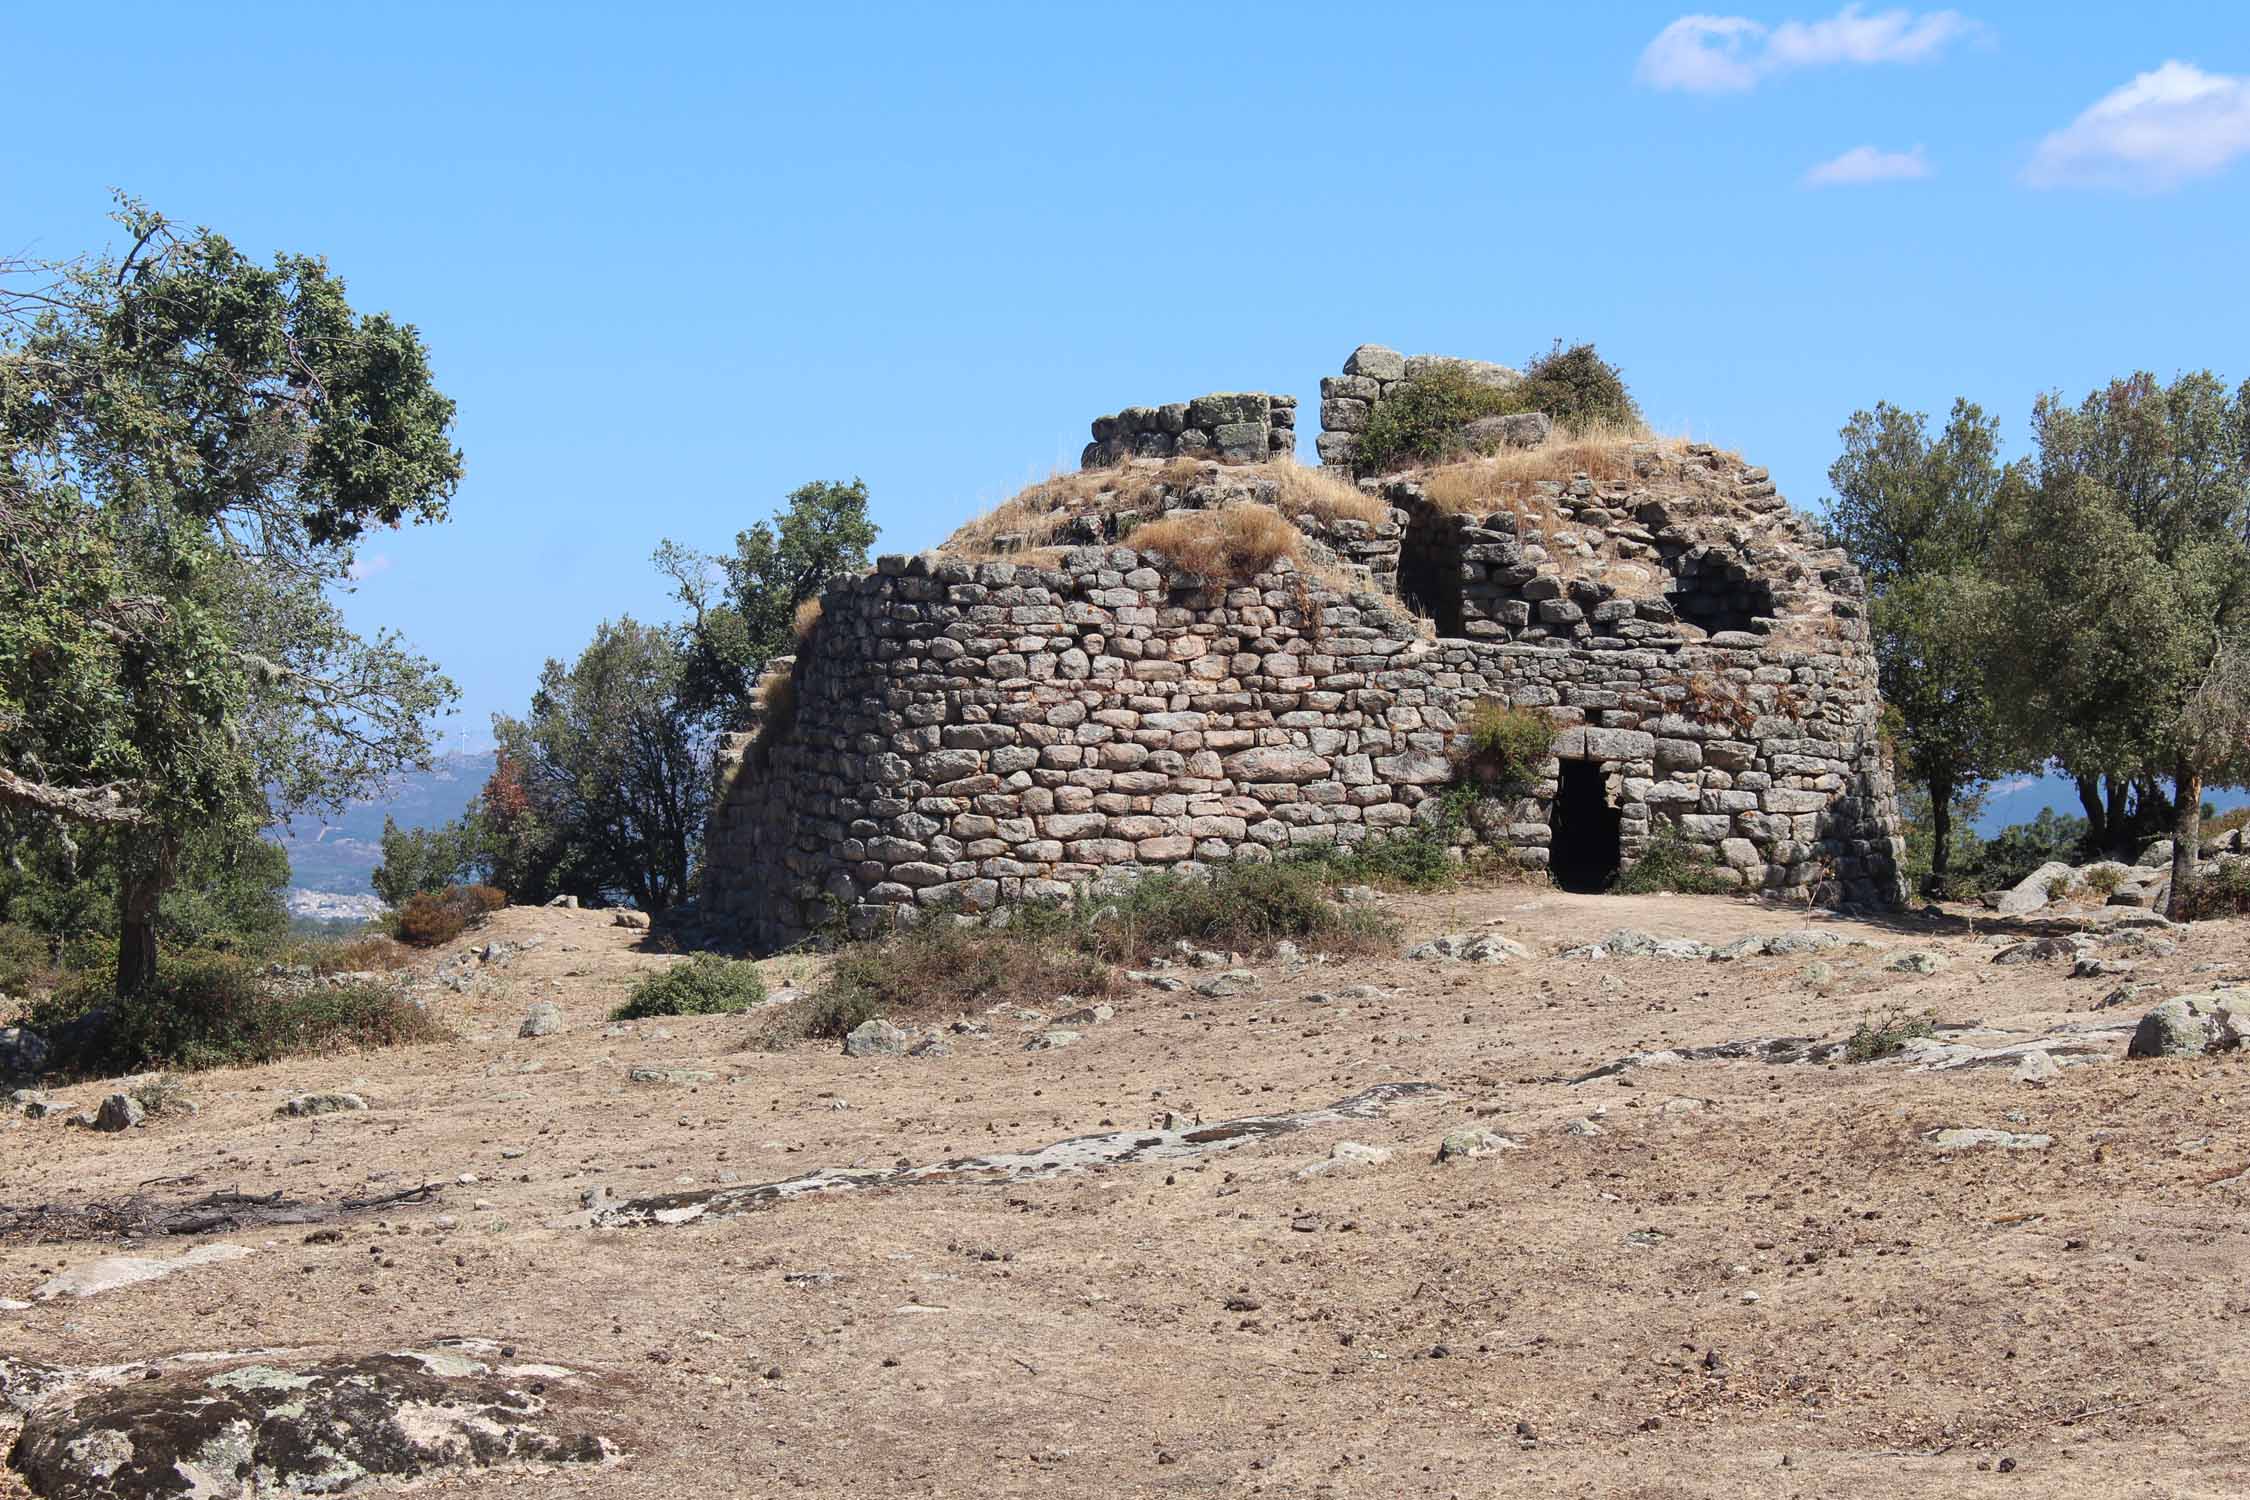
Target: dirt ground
{"x": 1748, "y": 1279}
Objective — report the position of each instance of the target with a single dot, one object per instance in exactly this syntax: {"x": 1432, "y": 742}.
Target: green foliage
{"x": 742, "y": 608}
{"x": 607, "y": 777}
{"x": 1886, "y": 1034}
{"x": 1916, "y": 514}
{"x": 1578, "y": 388}
{"x": 1420, "y": 420}
{"x": 1670, "y": 865}
{"x": 1504, "y": 748}
{"x": 425, "y": 859}
{"x": 1420, "y": 860}
{"x": 706, "y": 985}
{"x": 211, "y": 1010}
{"x": 1245, "y": 906}
{"x": 229, "y": 894}
{"x": 193, "y": 444}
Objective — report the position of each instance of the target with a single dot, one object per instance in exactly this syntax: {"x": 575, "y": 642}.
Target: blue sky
{"x": 673, "y": 260}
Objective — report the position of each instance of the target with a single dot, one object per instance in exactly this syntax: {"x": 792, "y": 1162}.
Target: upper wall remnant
{"x": 1234, "y": 427}
{"x": 1370, "y": 373}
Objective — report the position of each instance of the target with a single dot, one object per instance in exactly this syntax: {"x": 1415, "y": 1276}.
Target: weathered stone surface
{"x": 545, "y": 1018}
{"x": 1970, "y": 1138}
{"x": 119, "y": 1112}
{"x": 23, "y": 1052}
{"x": 877, "y": 1038}
{"x": 306, "y": 1105}
{"x": 1522, "y": 430}
{"x": 1376, "y": 362}
{"x": 2031, "y": 892}
{"x": 109, "y": 1273}
{"x": 1474, "y": 1140}
{"x": 254, "y": 1427}
{"x": 2192, "y": 1025}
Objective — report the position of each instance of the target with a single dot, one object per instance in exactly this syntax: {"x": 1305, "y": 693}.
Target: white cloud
{"x": 2154, "y": 133}
{"x": 1701, "y": 54}
{"x": 1865, "y": 164}
{"x": 365, "y": 568}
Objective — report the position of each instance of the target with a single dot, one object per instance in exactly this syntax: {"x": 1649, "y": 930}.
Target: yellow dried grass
{"x": 1319, "y": 493}
{"x": 807, "y": 616}
{"x": 1238, "y": 542}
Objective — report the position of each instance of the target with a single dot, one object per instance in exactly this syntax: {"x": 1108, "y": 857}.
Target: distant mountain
{"x": 336, "y": 855}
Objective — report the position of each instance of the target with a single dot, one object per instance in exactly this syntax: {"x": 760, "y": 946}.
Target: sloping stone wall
{"x": 1236, "y": 427}
{"x": 967, "y": 735}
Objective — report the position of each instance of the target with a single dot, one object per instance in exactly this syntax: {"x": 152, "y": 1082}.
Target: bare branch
{"x": 108, "y": 805}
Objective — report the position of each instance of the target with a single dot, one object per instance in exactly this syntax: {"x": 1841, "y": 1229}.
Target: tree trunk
{"x": 145, "y": 876}
{"x": 2187, "y": 836}
{"x": 1941, "y": 830}
{"x": 2097, "y": 814}
{"x": 2119, "y": 826}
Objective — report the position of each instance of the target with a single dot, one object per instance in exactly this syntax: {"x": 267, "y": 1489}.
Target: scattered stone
{"x": 1968, "y": 1138}
{"x": 1802, "y": 940}
{"x": 2038, "y": 1069}
{"x": 636, "y": 920}
{"x": 1584, "y": 1128}
{"x": 1086, "y": 1015}
{"x": 32, "y": 1104}
{"x": 119, "y": 1112}
{"x": 931, "y": 1047}
{"x": 877, "y": 1038}
{"x": 1052, "y": 1040}
{"x": 1819, "y": 972}
{"x": 545, "y": 1018}
{"x": 2090, "y": 967}
{"x": 2036, "y": 950}
{"x": 1473, "y": 1140}
{"x": 2031, "y": 893}
{"x": 1628, "y": 942}
{"x": 669, "y": 1075}
{"x": 1471, "y": 948}
{"x": 1348, "y": 1156}
{"x": 1232, "y": 982}
{"x": 568, "y": 903}
{"x": 1916, "y": 961}
{"x": 1356, "y": 895}
{"x": 306, "y": 1105}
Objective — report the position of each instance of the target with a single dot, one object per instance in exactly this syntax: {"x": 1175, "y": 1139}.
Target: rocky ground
{"x": 1678, "y": 1246}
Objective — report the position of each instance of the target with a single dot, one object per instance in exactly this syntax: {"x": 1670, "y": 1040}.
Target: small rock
{"x": 2038, "y": 1068}
{"x": 569, "y": 903}
{"x": 669, "y": 1075}
{"x": 1583, "y": 1128}
{"x": 119, "y": 1112}
{"x": 1051, "y": 1040}
{"x": 1474, "y": 1140}
{"x": 1968, "y": 1138}
{"x": 1918, "y": 961}
{"x": 1086, "y": 1015}
{"x": 1232, "y": 982}
{"x": 2192, "y": 1025}
{"x": 304, "y": 1105}
{"x": 637, "y": 920}
{"x": 545, "y": 1018}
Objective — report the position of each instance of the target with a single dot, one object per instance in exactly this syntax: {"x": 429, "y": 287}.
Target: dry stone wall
{"x": 969, "y": 735}
{"x": 1236, "y": 427}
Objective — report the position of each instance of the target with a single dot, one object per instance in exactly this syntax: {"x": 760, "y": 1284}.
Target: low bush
{"x": 1419, "y": 420}
{"x": 1420, "y": 861}
{"x": 434, "y": 918}
{"x": 1578, "y": 388}
{"x": 706, "y": 985}
{"x": 1236, "y": 543}
{"x": 1503, "y": 748}
{"x": 1886, "y": 1034}
{"x": 1670, "y": 865}
{"x": 208, "y": 1010}
{"x": 942, "y": 966}
{"x": 2219, "y": 891}
{"x": 1246, "y": 907}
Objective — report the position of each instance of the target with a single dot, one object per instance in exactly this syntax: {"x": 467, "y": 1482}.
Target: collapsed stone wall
{"x": 1236, "y": 427}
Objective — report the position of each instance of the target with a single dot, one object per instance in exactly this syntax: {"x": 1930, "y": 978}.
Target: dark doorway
{"x": 1583, "y": 849}
{"x": 1429, "y": 570}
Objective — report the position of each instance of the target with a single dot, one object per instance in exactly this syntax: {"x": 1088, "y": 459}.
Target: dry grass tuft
{"x": 1317, "y": 492}
{"x": 1238, "y": 542}
{"x": 1507, "y": 480}
{"x": 807, "y": 616}
{"x": 1039, "y": 511}
{"x": 777, "y": 705}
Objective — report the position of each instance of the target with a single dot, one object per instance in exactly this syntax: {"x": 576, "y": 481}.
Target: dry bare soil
{"x": 1750, "y": 1278}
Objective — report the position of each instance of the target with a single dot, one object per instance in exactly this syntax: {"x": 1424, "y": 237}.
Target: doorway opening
{"x": 1429, "y": 570}
{"x": 1583, "y": 851}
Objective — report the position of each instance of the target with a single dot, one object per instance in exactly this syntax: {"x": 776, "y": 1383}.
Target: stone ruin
{"x": 960, "y": 733}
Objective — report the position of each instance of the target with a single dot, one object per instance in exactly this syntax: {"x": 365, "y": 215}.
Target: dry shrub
{"x": 942, "y": 966}
{"x": 1711, "y": 700}
{"x": 777, "y": 705}
{"x": 373, "y": 952}
{"x": 1238, "y": 542}
{"x": 806, "y": 617}
{"x": 434, "y": 918}
{"x": 1319, "y": 493}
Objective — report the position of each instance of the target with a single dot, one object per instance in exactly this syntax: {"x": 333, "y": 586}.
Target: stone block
{"x": 1375, "y": 361}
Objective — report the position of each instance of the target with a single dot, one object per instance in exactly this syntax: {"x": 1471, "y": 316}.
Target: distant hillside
{"x": 337, "y": 855}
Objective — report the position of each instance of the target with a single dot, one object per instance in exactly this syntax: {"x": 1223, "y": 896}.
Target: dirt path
{"x": 1692, "y": 1278}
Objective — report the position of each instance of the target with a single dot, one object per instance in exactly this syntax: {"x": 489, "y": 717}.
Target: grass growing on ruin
{"x": 1319, "y": 493}
{"x": 1236, "y": 543}
{"x": 1671, "y": 866}
{"x": 1503, "y": 747}
{"x": 1035, "y": 515}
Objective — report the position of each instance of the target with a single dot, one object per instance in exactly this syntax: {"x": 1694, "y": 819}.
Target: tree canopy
{"x": 193, "y": 443}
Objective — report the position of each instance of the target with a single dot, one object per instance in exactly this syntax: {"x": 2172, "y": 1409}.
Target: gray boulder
{"x": 2030, "y": 893}
{"x": 877, "y": 1039}
{"x": 22, "y": 1051}
{"x": 119, "y": 1112}
{"x": 2192, "y": 1025}
{"x": 1376, "y": 361}
{"x": 1473, "y": 1140}
{"x": 545, "y": 1018}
